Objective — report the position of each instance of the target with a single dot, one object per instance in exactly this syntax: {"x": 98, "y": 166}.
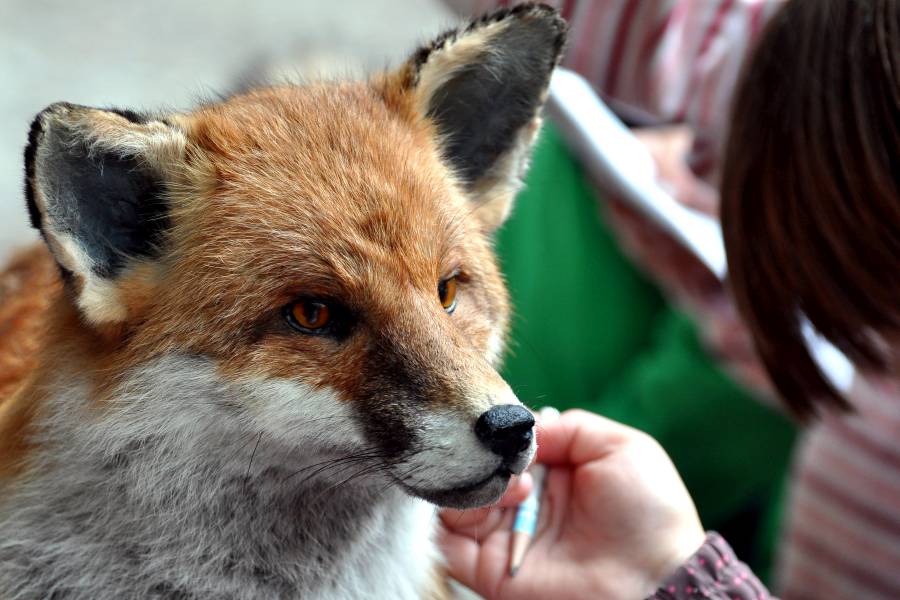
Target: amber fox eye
{"x": 309, "y": 316}
{"x": 447, "y": 293}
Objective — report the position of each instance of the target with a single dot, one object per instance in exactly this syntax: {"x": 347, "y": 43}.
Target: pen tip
{"x": 513, "y": 571}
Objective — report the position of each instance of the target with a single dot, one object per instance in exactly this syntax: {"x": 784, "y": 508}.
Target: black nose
{"x": 505, "y": 429}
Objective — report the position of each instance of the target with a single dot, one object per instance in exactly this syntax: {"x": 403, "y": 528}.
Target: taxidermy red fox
{"x": 259, "y": 342}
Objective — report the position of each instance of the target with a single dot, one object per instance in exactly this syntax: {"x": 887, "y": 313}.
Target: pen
{"x": 528, "y": 511}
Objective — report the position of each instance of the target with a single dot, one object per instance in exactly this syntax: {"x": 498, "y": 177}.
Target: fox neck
{"x": 175, "y": 492}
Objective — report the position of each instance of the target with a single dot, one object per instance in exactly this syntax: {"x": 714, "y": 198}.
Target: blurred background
{"x": 169, "y": 53}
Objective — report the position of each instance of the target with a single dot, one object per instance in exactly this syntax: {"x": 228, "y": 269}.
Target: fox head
{"x": 323, "y": 253}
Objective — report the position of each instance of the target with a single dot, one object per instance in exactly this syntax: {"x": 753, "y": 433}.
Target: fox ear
{"x": 96, "y": 190}
{"x": 483, "y": 87}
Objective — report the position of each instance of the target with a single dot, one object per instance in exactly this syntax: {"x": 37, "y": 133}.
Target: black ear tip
{"x": 130, "y": 115}
{"x": 544, "y": 12}
{"x": 34, "y": 136}
{"x": 543, "y": 15}
{"x": 56, "y": 110}
{"x": 546, "y": 18}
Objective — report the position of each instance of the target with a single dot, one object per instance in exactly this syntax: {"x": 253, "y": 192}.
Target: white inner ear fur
{"x": 101, "y": 302}
{"x": 158, "y": 145}
{"x": 495, "y": 191}
{"x": 98, "y": 299}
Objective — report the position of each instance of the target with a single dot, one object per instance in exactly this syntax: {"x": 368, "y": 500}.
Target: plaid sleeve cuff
{"x": 712, "y": 572}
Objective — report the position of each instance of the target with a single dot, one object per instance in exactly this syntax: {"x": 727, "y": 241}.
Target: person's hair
{"x": 811, "y": 191}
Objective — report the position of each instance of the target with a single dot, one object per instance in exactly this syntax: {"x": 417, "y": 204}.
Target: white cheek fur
{"x": 209, "y": 483}
{"x": 295, "y": 412}
{"x": 451, "y": 454}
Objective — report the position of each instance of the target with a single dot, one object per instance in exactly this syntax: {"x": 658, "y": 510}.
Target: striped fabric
{"x": 664, "y": 61}
{"x": 842, "y": 538}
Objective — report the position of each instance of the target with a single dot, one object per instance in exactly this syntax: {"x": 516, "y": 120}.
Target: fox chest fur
{"x": 262, "y": 337}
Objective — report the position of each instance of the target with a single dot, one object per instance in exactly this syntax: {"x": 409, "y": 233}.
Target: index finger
{"x": 579, "y": 436}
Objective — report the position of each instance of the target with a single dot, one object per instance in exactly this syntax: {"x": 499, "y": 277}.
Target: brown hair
{"x": 811, "y": 190}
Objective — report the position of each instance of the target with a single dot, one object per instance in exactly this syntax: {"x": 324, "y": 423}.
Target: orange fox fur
{"x": 27, "y": 289}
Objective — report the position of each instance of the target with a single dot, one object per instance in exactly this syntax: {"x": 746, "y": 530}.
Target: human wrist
{"x": 712, "y": 571}
{"x": 682, "y": 549}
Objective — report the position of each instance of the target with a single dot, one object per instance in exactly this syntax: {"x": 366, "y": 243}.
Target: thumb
{"x": 461, "y": 554}
{"x": 486, "y": 519}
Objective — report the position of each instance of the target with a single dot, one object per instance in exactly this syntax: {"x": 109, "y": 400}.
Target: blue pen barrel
{"x": 525, "y": 525}
{"x": 527, "y": 514}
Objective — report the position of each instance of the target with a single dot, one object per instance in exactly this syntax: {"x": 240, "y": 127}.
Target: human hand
{"x": 669, "y": 146}
{"x": 615, "y": 520}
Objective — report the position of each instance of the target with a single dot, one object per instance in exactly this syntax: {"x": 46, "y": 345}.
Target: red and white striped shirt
{"x": 671, "y": 61}
{"x": 842, "y": 536}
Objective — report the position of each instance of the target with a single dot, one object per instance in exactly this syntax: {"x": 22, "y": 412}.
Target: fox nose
{"x": 506, "y": 429}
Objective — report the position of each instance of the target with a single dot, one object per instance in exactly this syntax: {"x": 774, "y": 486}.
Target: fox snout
{"x": 462, "y": 453}
{"x": 507, "y": 430}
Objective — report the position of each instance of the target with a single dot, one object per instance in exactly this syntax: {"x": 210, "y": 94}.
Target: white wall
{"x": 170, "y": 52}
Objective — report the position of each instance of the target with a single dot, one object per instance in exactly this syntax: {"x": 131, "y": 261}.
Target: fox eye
{"x": 309, "y": 316}
{"x": 447, "y": 293}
